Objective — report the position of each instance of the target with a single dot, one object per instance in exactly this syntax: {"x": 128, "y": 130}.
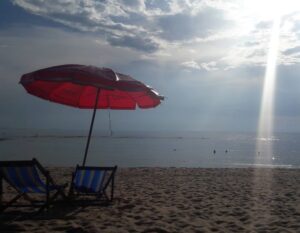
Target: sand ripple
{"x": 166, "y": 200}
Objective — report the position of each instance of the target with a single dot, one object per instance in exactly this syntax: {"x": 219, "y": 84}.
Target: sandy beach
{"x": 177, "y": 200}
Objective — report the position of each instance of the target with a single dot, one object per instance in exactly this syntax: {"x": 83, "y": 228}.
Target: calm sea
{"x": 148, "y": 149}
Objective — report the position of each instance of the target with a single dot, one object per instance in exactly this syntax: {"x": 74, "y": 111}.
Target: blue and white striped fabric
{"x": 89, "y": 180}
{"x": 25, "y": 179}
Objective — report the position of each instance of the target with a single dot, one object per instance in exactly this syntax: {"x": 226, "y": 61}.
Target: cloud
{"x": 292, "y": 51}
{"x": 185, "y": 26}
{"x": 143, "y": 44}
{"x": 191, "y": 64}
{"x": 226, "y": 32}
{"x": 36, "y": 47}
{"x": 150, "y": 21}
{"x": 264, "y": 25}
{"x": 158, "y": 6}
{"x": 205, "y": 95}
{"x": 110, "y": 19}
{"x": 207, "y": 66}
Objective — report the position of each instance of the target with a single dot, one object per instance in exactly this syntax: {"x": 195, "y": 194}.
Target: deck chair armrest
{"x": 73, "y": 174}
{"x": 48, "y": 176}
{"x": 41, "y": 168}
{"x": 1, "y": 188}
{"x": 112, "y": 177}
{"x": 44, "y": 171}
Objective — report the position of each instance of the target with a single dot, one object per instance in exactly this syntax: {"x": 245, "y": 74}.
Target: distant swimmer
{"x": 226, "y": 151}
{"x": 214, "y": 151}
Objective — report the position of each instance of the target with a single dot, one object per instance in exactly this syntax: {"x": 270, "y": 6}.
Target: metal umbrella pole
{"x": 91, "y": 128}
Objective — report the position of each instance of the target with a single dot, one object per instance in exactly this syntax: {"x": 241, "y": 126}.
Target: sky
{"x": 207, "y": 57}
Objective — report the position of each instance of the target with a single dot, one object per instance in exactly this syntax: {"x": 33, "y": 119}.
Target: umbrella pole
{"x": 91, "y": 128}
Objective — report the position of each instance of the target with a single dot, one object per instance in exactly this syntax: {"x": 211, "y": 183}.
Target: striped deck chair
{"x": 93, "y": 181}
{"x": 27, "y": 178}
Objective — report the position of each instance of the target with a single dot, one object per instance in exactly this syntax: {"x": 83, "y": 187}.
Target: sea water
{"x": 150, "y": 149}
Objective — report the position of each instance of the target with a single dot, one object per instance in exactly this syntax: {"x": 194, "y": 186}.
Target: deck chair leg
{"x": 105, "y": 195}
{"x": 49, "y": 201}
{"x": 28, "y": 198}
{"x": 41, "y": 209}
{"x": 71, "y": 189}
{"x": 62, "y": 193}
{"x": 11, "y": 202}
{"x": 59, "y": 192}
{"x": 112, "y": 188}
{"x": 1, "y": 191}
{"x": 47, "y": 193}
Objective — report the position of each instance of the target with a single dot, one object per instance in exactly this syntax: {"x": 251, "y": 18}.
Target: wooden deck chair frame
{"x": 100, "y": 194}
{"x": 49, "y": 185}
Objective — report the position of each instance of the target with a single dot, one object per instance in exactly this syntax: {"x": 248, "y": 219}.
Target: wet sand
{"x": 177, "y": 200}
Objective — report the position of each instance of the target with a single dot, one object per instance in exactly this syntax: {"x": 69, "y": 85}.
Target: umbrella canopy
{"x": 90, "y": 87}
{"x": 77, "y": 86}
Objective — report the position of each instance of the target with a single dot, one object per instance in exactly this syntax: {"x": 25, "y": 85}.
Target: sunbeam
{"x": 263, "y": 178}
{"x": 264, "y": 150}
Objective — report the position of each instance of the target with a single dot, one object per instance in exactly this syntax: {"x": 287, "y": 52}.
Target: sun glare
{"x": 268, "y": 10}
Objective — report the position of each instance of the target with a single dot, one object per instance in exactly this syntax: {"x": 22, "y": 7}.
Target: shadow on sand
{"x": 15, "y": 219}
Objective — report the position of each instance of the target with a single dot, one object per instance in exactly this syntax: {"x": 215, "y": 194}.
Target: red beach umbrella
{"x": 90, "y": 87}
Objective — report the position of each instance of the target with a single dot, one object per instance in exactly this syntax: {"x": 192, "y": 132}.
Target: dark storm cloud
{"x": 138, "y": 43}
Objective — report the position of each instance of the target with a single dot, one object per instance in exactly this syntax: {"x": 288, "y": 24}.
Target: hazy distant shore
{"x": 84, "y": 136}
{"x": 181, "y": 200}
